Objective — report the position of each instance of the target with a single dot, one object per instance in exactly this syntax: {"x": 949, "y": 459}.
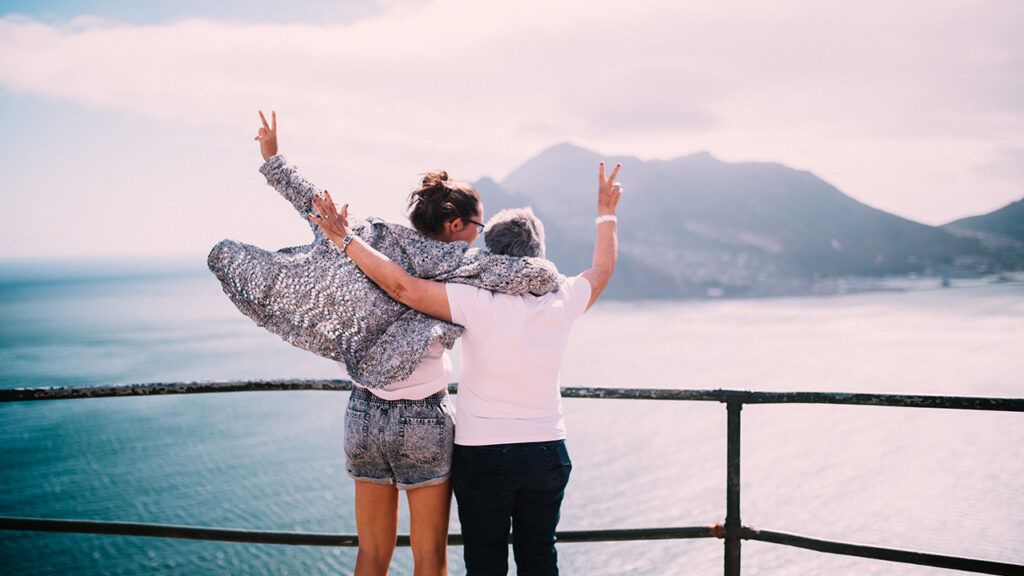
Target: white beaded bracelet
{"x": 606, "y": 218}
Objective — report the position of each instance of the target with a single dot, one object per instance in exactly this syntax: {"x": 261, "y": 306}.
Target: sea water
{"x": 940, "y": 481}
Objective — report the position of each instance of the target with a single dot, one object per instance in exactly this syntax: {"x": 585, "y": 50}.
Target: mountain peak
{"x": 702, "y": 155}
{"x": 564, "y": 148}
{"x": 564, "y": 152}
{"x": 695, "y": 222}
{"x": 554, "y": 160}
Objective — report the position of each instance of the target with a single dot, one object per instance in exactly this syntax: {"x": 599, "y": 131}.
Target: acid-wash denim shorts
{"x": 405, "y": 443}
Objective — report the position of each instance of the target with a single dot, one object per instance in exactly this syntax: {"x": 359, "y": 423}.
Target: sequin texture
{"x": 315, "y": 298}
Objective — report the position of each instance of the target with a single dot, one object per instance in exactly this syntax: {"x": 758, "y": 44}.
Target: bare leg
{"x": 377, "y": 527}
{"x": 429, "y": 509}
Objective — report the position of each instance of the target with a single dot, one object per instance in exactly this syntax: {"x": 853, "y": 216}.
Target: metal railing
{"x": 732, "y": 532}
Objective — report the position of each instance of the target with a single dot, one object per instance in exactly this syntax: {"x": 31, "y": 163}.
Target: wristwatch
{"x": 344, "y": 243}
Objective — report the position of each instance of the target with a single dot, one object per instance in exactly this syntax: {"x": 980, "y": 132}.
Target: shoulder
{"x": 576, "y": 283}
{"x": 465, "y": 301}
{"x": 575, "y": 291}
{"x": 466, "y": 293}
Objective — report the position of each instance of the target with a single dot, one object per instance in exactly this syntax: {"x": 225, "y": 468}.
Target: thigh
{"x": 485, "y": 492}
{"x": 429, "y": 512}
{"x": 538, "y": 508}
{"x": 429, "y": 509}
{"x": 376, "y": 515}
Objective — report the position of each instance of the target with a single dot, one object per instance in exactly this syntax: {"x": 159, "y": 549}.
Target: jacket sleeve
{"x": 286, "y": 179}
{"x": 506, "y": 274}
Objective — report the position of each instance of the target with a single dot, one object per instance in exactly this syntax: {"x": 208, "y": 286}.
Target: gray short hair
{"x": 515, "y": 232}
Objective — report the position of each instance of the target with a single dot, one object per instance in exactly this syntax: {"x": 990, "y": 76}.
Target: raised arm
{"x": 427, "y": 296}
{"x": 298, "y": 191}
{"x": 606, "y": 245}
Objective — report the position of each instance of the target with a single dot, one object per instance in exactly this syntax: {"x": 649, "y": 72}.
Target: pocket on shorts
{"x": 357, "y": 429}
{"x": 424, "y": 440}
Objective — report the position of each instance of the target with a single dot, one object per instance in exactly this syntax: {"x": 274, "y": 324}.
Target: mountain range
{"x": 696, "y": 226}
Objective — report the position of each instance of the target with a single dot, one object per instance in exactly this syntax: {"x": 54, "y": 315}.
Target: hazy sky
{"x": 128, "y": 129}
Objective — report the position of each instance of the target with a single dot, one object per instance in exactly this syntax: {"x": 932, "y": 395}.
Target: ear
{"x": 455, "y": 225}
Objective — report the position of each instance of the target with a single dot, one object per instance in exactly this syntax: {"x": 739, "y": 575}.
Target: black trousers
{"x": 510, "y": 487}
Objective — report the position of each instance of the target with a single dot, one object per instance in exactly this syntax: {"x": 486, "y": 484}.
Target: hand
{"x": 608, "y": 192}
{"x": 267, "y": 136}
{"x": 333, "y": 222}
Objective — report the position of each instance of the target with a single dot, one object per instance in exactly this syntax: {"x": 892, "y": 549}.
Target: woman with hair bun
{"x": 441, "y": 208}
{"x": 446, "y": 210}
{"x": 399, "y": 423}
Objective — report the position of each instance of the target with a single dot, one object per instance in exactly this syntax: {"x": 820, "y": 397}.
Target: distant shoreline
{"x": 25, "y": 273}
{"x": 22, "y": 271}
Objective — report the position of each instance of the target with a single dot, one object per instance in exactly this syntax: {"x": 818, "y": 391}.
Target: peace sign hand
{"x": 267, "y": 136}
{"x": 608, "y": 192}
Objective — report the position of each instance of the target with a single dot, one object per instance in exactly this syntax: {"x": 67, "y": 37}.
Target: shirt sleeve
{"x": 463, "y": 301}
{"x": 577, "y": 296}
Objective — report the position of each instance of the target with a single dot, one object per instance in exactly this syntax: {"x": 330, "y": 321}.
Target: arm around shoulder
{"x": 426, "y": 296}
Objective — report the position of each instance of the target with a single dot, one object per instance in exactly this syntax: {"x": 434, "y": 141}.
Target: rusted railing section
{"x": 733, "y": 531}
{"x": 718, "y": 395}
{"x": 310, "y": 538}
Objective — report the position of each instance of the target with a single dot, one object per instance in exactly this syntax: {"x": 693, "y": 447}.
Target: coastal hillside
{"x": 696, "y": 226}
{"x": 1001, "y": 231}
{"x": 1008, "y": 221}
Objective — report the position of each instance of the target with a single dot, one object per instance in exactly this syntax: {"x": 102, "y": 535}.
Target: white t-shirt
{"x": 512, "y": 350}
{"x": 431, "y": 376}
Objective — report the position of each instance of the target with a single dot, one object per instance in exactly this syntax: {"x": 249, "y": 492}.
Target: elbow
{"x": 598, "y": 276}
{"x": 399, "y": 292}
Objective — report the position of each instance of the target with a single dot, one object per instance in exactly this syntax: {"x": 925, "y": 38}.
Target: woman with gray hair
{"x": 511, "y": 466}
{"x": 515, "y": 232}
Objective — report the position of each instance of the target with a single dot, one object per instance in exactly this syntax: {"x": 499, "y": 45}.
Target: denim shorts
{"x": 405, "y": 443}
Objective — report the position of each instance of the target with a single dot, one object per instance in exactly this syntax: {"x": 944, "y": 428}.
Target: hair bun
{"x": 433, "y": 179}
{"x": 441, "y": 200}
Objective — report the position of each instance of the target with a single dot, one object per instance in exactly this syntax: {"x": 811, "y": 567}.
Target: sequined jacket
{"x": 315, "y": 297}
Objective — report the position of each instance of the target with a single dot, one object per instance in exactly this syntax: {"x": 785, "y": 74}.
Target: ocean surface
{"x": 940, "y": 481}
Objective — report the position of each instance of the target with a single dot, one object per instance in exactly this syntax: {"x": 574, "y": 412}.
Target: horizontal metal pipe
{"x": 890, "y": 554}
{"x": 310, "y": 539}
{"x": 718, "y": 395}
{"x": 646, "y": 394}
{"x": 749, "y": 397}
{"x": 900, "y": 400}
{"x": 170, "y": 531}
{"x": 162, "y": 388}
{"x": 679, "y": 533}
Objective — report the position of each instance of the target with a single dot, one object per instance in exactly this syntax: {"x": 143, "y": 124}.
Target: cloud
{"x": 424, "y": 63}
{"x": 836, "y": 88}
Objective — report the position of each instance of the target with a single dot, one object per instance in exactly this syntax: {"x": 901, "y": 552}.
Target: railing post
{"x": 733, "y": 525}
